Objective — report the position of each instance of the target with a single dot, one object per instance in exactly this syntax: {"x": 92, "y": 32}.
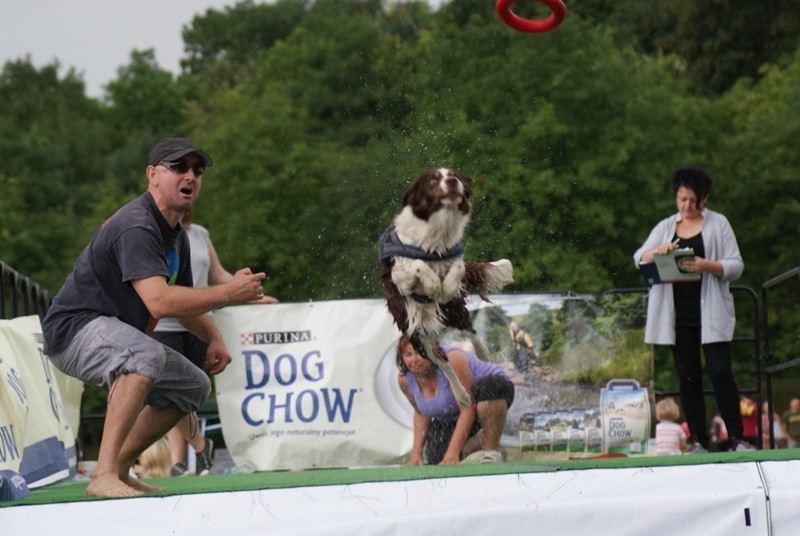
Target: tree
{"x": 145, "y": 104}
{"x": 725, "y": 40}
{"x": 53, "y": 140}
{"x": 238, "y": 34}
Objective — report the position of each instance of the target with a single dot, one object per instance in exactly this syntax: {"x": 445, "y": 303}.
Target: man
{"x": 524, "y": 350}
{"x": 135, "y": 270}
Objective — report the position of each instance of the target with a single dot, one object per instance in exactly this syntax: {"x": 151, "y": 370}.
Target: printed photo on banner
{"x": 566, "y": 354}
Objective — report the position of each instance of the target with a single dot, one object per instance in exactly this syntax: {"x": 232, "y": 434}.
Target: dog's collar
{"x": 391, "y": 246}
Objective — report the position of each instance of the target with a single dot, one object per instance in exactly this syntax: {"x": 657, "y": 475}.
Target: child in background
{"x": 154, "y": 462}
{"x": 670, "y": 437}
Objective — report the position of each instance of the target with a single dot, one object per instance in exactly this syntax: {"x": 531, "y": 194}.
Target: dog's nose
{"x": 453, "y": 184}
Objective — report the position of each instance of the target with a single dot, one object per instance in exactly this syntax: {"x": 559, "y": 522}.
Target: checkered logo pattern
{"x": 245, "y": 339}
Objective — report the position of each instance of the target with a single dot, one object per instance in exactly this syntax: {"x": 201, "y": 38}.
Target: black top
{"x": 686, "y": 294}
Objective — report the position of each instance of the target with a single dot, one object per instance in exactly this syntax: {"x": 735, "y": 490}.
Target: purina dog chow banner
{"x": 314, "y": 384}
{"x": 307, "y": 386}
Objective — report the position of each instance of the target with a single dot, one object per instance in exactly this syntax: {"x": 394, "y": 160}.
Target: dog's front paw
{"x": 428, "y": 282}
{"x": 451, "y": 286}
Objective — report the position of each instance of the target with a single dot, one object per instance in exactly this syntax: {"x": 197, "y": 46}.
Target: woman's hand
{"x": 416, "y": 459}
{"x": 695, "y": 265}
{"x": 663, "y": 249}
{"x": 450, "y": 459}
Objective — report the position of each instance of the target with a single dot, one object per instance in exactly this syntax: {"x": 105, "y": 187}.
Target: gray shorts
{"x": 106, "y": 347}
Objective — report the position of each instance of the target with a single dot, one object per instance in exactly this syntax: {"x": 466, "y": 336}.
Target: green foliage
{"x": 237, "y": 34}
{"x": 719, "y": 42}
{"x": 52, "y": 137}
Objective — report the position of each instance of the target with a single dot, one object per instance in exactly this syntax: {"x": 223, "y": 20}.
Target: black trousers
{"x": 686, "y": 356}
{"x": 494, "y": 387}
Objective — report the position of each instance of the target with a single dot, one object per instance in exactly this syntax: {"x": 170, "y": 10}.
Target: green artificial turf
{"x": 222, "y": 483}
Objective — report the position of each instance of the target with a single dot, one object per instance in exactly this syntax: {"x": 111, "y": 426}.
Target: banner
{"x": 587, "y": 348}
{"x": 49, "y": 453}
{"x": 306, "y": 387}
{"x": 315, "y": 384}
{"x": 13, "y": 409}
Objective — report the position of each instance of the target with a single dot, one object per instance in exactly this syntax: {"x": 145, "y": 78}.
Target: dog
{"x": 425, "y": 279}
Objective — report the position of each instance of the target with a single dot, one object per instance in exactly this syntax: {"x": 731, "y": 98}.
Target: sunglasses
{"x": 182, "y": 166}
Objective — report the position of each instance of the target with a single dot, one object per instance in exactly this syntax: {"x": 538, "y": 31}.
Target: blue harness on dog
{"x": 391, "y": 246}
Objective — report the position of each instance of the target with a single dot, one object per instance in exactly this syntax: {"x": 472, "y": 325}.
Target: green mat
{"x": 223, "y": 483}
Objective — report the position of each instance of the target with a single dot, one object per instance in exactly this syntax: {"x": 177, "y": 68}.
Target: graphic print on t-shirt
{"x": 173, "y": 263}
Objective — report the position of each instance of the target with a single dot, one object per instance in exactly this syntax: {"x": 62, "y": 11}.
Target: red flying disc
{"x": 529, "y": 25}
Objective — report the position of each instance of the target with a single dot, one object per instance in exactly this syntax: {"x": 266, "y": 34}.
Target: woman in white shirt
{"x": 688, "y": 316}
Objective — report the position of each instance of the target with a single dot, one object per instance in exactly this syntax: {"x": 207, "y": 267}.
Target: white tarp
{"x": 781, "y": 481}
{"x": 724, "y": 499}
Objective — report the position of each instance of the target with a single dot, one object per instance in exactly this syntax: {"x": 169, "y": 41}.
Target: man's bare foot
{"x": 137, "y": 484}
{"x": 110, "y": 487}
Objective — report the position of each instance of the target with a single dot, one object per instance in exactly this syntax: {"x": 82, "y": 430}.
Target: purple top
{"x": 443, "y": 405}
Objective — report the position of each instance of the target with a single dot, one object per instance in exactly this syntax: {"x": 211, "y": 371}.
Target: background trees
{"x": 319, "y": 113}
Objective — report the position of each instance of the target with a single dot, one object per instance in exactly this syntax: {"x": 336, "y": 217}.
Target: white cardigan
{"x": 716, "y": 302}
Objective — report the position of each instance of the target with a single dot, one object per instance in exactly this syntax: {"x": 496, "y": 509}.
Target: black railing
{"x": 754, "y": 339}
{"x": 771, "y": 364}
{"x": 19, "y": 296}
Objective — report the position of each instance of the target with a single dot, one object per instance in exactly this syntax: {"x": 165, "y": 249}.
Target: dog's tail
{"x": 485, "y": 277}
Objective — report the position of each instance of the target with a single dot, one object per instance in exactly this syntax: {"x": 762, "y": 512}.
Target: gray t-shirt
{"x": 135, "y": 243}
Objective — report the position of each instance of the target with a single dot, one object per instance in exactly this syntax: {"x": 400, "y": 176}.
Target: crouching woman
{"x": 445, "y": 434}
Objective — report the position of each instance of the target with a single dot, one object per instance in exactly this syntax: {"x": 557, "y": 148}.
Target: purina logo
{"x": 274, "y": 337}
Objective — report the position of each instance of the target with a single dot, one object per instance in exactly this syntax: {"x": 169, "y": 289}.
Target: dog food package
{"x": 526, "y": 435}
{"x": 542, "y": 437}
{"x": 559, "y": 432}
{"x": 593, "y": 428}
{"x": 577, "y": 430}
{"x": 626, "y": 417}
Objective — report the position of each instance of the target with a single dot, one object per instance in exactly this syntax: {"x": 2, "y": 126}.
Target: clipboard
{"x": 667, "y": 268}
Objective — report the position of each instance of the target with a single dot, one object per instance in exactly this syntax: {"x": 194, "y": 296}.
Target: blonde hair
{"x": 667, "y": 410}
{"x": 155, "y": 461}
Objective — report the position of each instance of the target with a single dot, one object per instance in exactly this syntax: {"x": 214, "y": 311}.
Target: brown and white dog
{"x": 425, "y": 279}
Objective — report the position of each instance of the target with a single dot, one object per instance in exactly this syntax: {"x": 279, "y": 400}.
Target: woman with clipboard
{"x": 689, "y": 314}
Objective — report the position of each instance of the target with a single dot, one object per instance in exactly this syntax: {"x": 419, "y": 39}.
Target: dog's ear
{"x": 416, "y": 195}
{"x": 466, "y": 181}
{"x": 412, "y": 194}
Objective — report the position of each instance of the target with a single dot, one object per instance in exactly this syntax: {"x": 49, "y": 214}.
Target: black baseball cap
{"x": 171, "y": 149}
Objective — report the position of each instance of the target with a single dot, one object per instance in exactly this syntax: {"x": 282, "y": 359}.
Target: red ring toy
{"x": 528, "y": 25}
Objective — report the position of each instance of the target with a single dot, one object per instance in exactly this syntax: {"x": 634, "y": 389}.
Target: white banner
{"x": 49, "y": 441}
{"x": 315, "y": 384}
{"x": 312, "y": 385}
{"x": 13, "y": 409}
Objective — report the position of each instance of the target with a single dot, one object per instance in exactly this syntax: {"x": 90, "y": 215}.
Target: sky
{"x": 96, "y": 37}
